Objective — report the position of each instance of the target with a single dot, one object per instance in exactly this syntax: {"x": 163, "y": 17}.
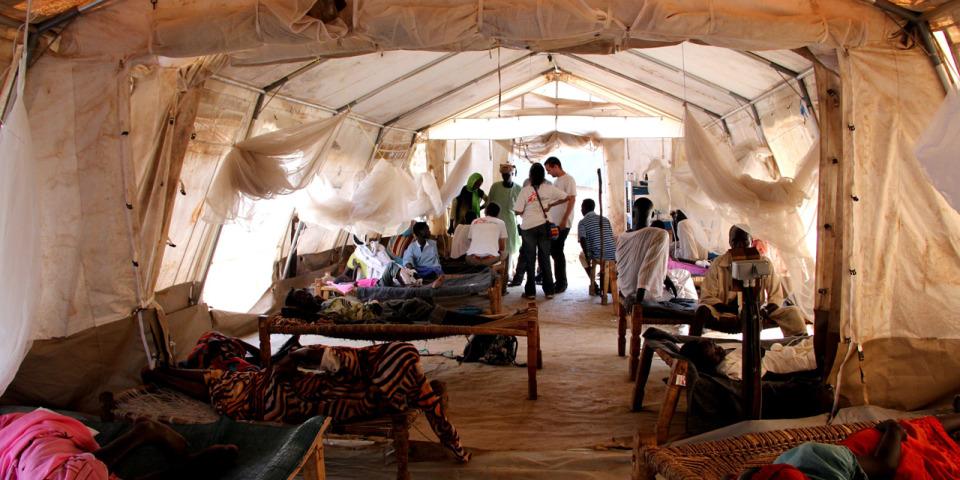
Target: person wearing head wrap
{"x": 505, "y": 194}
{"x": 469, "y": 200}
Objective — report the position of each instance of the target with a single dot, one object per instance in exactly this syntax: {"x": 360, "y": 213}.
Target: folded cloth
{"x": 367, "y": 282}
{"x": 47, "y": 445}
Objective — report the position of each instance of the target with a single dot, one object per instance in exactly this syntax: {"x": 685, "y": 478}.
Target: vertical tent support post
{"x": 603, "y": 263}
{"x": 832, "y": 225}
{"x": 290, "y": 267}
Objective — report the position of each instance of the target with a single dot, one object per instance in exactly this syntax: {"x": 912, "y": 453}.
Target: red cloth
{"x": 928, "y": 453}
{"x": 49, "y": 446}
{"x": 779, "y": 472}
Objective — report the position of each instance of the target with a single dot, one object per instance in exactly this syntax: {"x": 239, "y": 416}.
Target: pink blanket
{"x": 694, "y": 270}
{"x": 44, "y": 445}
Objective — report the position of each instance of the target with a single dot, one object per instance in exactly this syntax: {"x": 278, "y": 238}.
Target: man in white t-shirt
{"x": 488, "y": 238}
{"x": 562, "y": 216}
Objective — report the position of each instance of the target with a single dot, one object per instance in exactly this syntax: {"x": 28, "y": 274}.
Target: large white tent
{"x": 134, "y": 107}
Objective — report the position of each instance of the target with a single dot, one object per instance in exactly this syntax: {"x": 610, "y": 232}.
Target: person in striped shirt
{"x": 588, "y": 232}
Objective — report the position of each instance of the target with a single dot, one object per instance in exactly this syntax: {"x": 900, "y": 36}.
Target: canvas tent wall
{"x": 98, "y": 255}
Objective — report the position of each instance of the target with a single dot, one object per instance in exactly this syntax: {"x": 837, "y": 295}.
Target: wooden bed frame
{"x": 637, "y": 321}
{"x": 495, "y": 292}
{"x": 524, "y": 323}
{"x": 718, "y": 459}
{"x": 311, "y": 467}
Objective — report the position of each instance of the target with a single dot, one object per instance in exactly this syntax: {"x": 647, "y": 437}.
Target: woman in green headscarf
{"x": 469, "y": 200}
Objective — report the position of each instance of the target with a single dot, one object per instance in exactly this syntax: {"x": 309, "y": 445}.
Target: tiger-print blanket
{"x": 371, "y": 381}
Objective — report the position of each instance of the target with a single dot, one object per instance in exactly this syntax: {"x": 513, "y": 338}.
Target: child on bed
{"x": 422, "y": 254}
{"x": 47, "y": 445}
{"x": 907, "y": 450}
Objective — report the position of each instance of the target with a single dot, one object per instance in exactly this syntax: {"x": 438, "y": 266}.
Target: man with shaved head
{"x": 717, "y": 296}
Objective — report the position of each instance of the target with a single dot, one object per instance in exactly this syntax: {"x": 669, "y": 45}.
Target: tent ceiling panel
{"x": 340, "y": 81}
{"x": 721, "y": 66}
{"x": 429, "y": 108}
{"x": 625, "y": 87}
{"x": 662, "y": 78}
{"x": 473, "y": 93}
{"x": 787, "y": 59}
{"x": 408, "y": 94}
{"x": 262, "y": 75}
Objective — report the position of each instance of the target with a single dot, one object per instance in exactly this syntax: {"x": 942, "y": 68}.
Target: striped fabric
{"x": 589, "y": 229}
{"x": 371, "y": 381}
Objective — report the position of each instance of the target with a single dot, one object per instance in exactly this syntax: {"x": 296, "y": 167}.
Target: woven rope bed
{"x": 523, "y": 323}
{"x": 717, "y": 459}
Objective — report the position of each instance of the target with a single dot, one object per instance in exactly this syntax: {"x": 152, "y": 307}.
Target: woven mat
{"x": 715, "y": 460}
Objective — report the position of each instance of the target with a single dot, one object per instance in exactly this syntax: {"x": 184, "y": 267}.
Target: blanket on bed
{"x": 451, "y": 285}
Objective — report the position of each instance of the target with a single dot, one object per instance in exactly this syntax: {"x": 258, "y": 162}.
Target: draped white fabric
{"x": 937, "y": 149}
{"x": 269, "y": 165}
{"x": 772, "y": 209}
{"x": 19, "y": 241}
{"x": 382, "y": 201}
{"x": 468, "y": 163}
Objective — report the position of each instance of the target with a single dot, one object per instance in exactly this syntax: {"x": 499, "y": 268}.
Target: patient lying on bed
{"x": 340, "y": 382}
{"x": 909, "y": 449}
{"x": 47, "y": 445}
{"x": 717, "y": 296}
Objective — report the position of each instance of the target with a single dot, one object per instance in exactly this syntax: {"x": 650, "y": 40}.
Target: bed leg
{"x": 401, "y": 445}
{"x": 314, "y": 469}
{"x": 636, "y": 322}
{"x": 263, "y": 325}
{"x": 677, "y": 383}
{"x": 533, "y": 358}
{"x": 496, "y": 297}
{"x": 639, "y": 387}
{"x": 621, "y": 331}
{"x": 614, "y": 293}
{"x": 604, "y": 281}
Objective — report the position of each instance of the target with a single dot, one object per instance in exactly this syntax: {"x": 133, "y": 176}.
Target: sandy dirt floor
{"x": 580, "y": 425}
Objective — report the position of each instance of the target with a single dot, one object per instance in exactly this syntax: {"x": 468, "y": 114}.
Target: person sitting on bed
{"x": 460, "y": 242}
{"x": 691, "y": 239}
{"x": 920, "y": 448}
{"x": 717, "y": 296}
{"x": 588, "y": 233}
{"x": 422, "y": 254}
{"x": 343, "y": 383}
{"x": 642, "y": 259}
{"x": 488, "y": 238}
{"x": 51, "y": 446}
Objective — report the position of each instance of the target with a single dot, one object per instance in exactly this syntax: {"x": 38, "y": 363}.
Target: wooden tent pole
{"x": 603, "y": 264}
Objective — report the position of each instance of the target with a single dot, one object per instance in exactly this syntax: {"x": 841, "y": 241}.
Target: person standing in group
{"x": 533, "y": 205}
{"x": 470, "y": 199}
{"x": 562, "y": 217}
{"x": 505, "y": 194}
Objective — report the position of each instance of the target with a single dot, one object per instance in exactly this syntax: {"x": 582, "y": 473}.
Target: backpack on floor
{"x": 491, "y": 349}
